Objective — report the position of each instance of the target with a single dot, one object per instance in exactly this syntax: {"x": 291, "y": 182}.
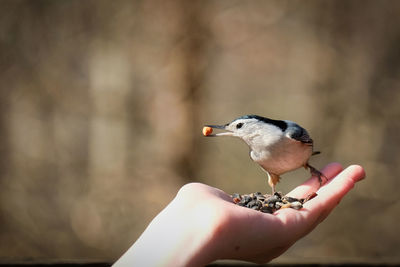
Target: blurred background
{"x": 102, "y": 105}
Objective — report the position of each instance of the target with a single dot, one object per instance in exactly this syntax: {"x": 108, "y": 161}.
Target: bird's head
{"x": 239, "y": 127}
{"x": 249, "y": 127}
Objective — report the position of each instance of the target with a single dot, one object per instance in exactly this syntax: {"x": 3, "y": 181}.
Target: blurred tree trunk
{"x": 194, "y": 40}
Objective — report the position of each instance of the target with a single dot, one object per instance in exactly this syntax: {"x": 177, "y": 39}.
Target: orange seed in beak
{"x": 207, "y": 130}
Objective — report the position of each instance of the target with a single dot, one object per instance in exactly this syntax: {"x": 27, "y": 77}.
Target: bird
{"x": 278, "y": 146}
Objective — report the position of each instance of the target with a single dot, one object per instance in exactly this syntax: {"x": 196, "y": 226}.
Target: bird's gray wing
{"x": 298, "y": 133}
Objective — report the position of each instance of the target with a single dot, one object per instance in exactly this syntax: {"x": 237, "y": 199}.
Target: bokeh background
{"x": 103, "y": 102}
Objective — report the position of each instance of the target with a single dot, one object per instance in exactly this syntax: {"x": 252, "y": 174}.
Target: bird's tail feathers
{"x": 316, "y": 153}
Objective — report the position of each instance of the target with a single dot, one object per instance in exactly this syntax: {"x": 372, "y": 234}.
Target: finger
{"x": 331, "y": 194}
{"x": 312, "y": 184}
{"x": 316, "y": 210}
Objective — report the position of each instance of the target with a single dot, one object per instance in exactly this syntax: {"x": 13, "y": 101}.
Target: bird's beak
{"x": 222, "y": 127}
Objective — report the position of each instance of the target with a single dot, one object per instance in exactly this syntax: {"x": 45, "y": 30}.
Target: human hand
{"x": 202, "y": 224}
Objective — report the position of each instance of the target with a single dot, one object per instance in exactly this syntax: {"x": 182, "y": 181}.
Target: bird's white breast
{"x": 281, "y": 155}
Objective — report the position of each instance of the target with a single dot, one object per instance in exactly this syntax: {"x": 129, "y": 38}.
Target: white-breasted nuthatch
{"x": 278, "y": 146}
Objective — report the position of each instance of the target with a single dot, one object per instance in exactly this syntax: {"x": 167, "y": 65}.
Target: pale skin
{"x": 201, "y": 224}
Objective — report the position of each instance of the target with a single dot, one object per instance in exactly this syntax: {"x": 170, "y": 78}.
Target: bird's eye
{"x": 239, "y": 125}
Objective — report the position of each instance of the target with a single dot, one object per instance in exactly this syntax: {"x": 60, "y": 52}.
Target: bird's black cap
{"x": 278, "y": 123}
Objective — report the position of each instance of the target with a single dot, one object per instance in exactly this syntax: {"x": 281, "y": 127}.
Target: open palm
{"x": 202, "y": 224}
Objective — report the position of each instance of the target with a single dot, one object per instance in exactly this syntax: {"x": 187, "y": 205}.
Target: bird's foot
{"x": 317, "y": 173}
{"x": 273, "y": 179}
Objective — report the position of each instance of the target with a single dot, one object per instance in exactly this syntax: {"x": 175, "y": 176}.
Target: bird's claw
{"x": 317, "y": 173}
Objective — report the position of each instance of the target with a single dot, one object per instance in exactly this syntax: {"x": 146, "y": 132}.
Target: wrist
{"x": 181, "y": 235}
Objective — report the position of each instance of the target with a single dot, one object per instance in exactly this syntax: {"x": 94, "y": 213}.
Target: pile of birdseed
{"x": 269, "y": 203}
